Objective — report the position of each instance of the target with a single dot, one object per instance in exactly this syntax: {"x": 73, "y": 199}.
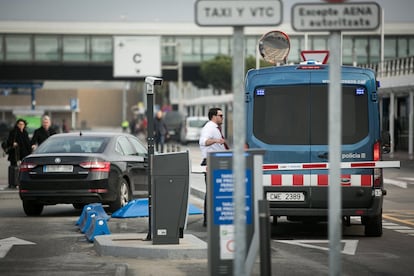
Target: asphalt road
{"x": 52, "y": 244}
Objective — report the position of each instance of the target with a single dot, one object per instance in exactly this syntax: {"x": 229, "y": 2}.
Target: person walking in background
{"x": 160, "y": 131}
{"x": 18, "y": 147}
{"x": 42, "y": 133}
{"x": 125, "y": 125}
{"x": 65, "y": 128}
{"x": 211, "y": 139}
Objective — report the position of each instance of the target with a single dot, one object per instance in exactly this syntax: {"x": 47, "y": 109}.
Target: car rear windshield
{"x": 75, "y": 144}
{"x": 197, "y": 123}
{"x": 298, "y": 115}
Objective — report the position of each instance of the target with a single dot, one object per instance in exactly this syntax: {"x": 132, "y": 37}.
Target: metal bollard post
{"x": 265, "y": 260}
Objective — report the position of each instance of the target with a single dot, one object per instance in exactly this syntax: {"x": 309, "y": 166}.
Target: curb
{"x": 136, "y": 246}
{"x": 200, "y": 194}
{"x": 6, "y": 193}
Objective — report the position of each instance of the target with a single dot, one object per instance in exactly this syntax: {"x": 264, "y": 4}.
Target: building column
{"x": 391, "y": 124}
{"x": 410, "y": 125}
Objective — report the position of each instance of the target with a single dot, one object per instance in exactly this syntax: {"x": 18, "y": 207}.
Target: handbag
{"x": 5, "y": 148}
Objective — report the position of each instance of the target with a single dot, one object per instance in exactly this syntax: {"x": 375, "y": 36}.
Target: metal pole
{"x": 33, "y": 94}
{"x": 124, "y": 101}
{"x": 180, "y": 77}
{"x": 335, "y": 129}
{"x": 150, "y": 141}
{"x": 265, "y": 260}
{"x": 382, "y": 44}
{"x": 239, "y": 164}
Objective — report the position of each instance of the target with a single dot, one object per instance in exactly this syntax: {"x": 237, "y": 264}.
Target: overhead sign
{"x": 238, "y": 13}
{"x": 137, "y": 56}
{"x": 356, "y": 16}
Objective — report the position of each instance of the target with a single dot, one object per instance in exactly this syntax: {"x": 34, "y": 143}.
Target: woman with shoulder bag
{"x": 18, "y": 144}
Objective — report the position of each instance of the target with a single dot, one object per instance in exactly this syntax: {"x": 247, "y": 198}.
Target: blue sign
{"x": 223, "y": 205}
{"x": 73, "y": 104}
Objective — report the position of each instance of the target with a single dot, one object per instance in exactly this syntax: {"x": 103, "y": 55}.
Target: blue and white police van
{"x": 287, "y": 116}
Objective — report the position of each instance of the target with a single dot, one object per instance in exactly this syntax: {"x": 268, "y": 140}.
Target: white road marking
{"x": 7, "y": 244}
{"x": 398, "y": 183}
{"x": 349, "y": 248}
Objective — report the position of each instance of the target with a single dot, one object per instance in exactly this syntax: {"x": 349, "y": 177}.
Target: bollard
{"x": 97, "y": 227}
{"x": 89, "y": 211}
{"x": 88, "y": 220}
{"x": 265, "y": 253}
{"x": 83, "y": 214}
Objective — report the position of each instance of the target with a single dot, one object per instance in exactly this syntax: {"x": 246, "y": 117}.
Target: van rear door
{"x": 280, "y": 125}
{"x": 357, "y": 143}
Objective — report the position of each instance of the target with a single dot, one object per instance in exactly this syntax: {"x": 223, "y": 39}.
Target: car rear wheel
{"x": 373, "y": 225}
{"x": 122, "y": 198}
{"x": 32, "y": 208}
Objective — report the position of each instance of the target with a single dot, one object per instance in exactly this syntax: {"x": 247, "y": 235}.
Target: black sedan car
{"x": 82, "y": 168}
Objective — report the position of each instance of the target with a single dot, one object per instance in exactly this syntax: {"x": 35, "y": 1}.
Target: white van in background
{"x": 190, "y": 132}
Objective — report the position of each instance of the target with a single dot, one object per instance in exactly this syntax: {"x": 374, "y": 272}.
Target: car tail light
{"x": 26, "y": 166}
{"x": 377, "y": 157}
{"x": 96, "y": 166}
{"x": 377, "y": 151}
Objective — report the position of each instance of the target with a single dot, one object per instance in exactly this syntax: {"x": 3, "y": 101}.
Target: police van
{"x": 287, "y": 116}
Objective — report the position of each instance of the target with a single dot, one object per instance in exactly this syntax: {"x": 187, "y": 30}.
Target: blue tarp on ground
{"x": 139, "y": 208}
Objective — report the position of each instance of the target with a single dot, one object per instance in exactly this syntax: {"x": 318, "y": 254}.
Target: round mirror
{"x": 274, "y": 47}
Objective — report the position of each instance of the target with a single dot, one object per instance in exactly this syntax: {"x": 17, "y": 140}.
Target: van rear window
{"x": 298, "y": 115}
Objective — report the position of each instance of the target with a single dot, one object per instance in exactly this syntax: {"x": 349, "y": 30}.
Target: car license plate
{"x": 58, "y": 168}
{"x": 285, "y": 196}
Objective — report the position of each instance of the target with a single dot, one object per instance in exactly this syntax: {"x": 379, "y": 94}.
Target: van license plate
{"x": 283, "y": 196}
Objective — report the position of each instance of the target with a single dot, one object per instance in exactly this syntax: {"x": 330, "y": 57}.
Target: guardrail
{"x": 395, "y": 67}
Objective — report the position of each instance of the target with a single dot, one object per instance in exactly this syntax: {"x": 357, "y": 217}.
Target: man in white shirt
{"x": 211, "y": 139}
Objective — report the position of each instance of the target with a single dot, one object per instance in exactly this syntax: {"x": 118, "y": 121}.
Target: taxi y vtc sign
{"x": 358, "y": 16}
{"x": 238, "y": 13}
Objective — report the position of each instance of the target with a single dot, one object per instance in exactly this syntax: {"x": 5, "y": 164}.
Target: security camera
{"x": 153, "y": 80}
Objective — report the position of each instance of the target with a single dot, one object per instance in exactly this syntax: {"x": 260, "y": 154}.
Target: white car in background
{"x": 190, "y": 132}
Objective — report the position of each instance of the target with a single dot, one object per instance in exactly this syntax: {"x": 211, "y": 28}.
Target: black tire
{"x": 274, "y": 220}
{"x": 32, "y": 208}
{"x": 373, "y": 226}
{"x": 123, "y": 196}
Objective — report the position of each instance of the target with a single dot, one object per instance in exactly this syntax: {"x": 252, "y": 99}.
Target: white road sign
{"x": 137, "y": 56}
{"x": 357, "y": 16}
{"x": 238, "y": 13}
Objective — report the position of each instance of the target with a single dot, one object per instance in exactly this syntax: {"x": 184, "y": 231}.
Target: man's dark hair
{"x": 212, "y": 112}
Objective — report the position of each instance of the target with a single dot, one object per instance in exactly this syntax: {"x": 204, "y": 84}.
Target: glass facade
{"x": 47, "y": 48}
{"x": 194, "y": 49}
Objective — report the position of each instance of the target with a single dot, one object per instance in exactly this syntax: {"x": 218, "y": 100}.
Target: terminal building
{"x": 66, "y": 69}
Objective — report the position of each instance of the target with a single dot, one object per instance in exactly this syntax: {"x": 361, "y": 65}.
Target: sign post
{"x": 238, "y": 14}
{"x": 335, "y": 18}
{"x": 222, "y": 230}
{"x": 150, "y": 83}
